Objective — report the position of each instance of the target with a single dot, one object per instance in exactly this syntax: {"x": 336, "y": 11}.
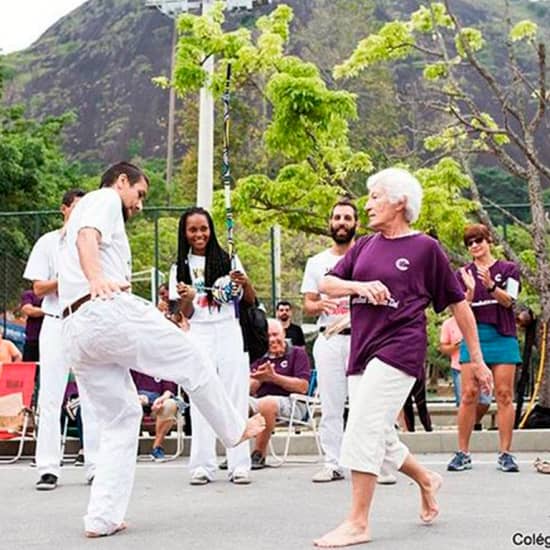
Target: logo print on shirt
{"x": 402, "y": 264}
{"x": 498, "y": 277}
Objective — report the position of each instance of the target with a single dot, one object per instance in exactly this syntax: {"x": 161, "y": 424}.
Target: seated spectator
{"x": 157, "y": 397}
{"x": 71, "y": 412}
{"x": 293, "y": 332}
{"x": 281, "y": 371}
{"x": 9, "y": 352}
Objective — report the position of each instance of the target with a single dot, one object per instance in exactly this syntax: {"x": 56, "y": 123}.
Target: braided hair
{"x": 217, "y": 262}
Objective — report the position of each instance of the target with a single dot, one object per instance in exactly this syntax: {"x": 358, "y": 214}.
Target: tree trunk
{"x": 543, "y": 267}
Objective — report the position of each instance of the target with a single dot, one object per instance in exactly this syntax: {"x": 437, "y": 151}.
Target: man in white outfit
{"x": 331, "y": 353}
{"x": 332, "y": 346}
{"x": 41, "y": 269}
{"x": 107, "y": 331}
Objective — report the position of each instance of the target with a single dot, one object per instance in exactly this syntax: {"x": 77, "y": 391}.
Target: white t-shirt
{"x": 101, "y": 210}
{"x": 201, "y": 312}
{"x": 316, "y": 268}
{"x": 42, "y": 266}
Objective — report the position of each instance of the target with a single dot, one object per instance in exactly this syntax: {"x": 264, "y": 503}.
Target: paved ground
{"x": 281, "y": 510}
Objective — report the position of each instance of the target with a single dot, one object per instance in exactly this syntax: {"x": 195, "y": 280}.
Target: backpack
{"x": 253, "y": 321}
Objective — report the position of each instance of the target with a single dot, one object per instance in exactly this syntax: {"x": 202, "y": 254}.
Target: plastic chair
{"x": 16, "y": 390}
{"x": 313, "y": 406}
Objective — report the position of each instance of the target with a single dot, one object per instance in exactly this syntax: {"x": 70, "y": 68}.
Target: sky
{"x": 23, "y": 21}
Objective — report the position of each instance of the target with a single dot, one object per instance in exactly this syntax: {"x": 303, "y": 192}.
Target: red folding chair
{"x": 16, "y": 389}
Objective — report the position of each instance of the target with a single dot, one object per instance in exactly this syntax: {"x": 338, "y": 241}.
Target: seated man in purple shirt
{"x": 281, "y": 371}
{"x": 156, "y": 396}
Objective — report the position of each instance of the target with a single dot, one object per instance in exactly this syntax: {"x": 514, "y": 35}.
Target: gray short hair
{"x": 399, "y": 184}
{"x": 276, "y": 323}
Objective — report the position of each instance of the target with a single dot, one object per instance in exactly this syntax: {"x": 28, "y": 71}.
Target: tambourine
{"x": 224, "y": 290}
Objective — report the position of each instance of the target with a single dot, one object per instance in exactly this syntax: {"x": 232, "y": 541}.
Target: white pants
{"x": 224, "y": 345}
{"x": 54, "y": 370}
{"x": 331, "y": 360}
{"x": 376, "y": 397}
{"x": 103, "y": 340}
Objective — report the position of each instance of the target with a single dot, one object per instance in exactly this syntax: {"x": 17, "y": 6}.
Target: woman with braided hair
{"x": 204, "y": 275}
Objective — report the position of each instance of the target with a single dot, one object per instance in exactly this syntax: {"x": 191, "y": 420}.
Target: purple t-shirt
{"x": 416, "y": 271}
{"x": 293, "y": 363}
{"x": 148, "y": 383}
{"x": 484, "y": 305}
{"x": 32, "y": 328}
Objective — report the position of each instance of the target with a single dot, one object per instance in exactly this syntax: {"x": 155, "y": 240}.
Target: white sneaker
{"x": 199, "y": 477}
{"x": 386, "y": 479}
{"x": 326, "y": 474}
{"x": 240, "y": 477}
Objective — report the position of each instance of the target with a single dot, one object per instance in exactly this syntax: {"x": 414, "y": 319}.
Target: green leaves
{"x": 524, "y": 30}
{"x": 468, "y": 39}
{"x": 393, "y": 41}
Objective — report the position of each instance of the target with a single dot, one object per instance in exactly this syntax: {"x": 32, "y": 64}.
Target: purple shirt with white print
{"x": 485, "y": 306}
{"x": 416, "y": 271}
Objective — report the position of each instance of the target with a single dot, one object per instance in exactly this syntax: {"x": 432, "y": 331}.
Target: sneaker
{"x": 158, "y": 454}
{"x": 327, "y": 473}
{"x": 79, "y": 460}
{"x": 46, "y": 483}
{"x": 199, "y": 477}
{"x": 386, "y": 479}
{"x": 257, "y": 460}
{"x": 507, "y": 463}
{"x": 460, "y": 462}
{"x": 240, "y": 477}
{"x": 223, "y": 465}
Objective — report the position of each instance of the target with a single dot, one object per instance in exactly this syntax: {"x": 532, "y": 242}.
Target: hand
{"x": 484, "y": 276}
{"x": 186, "y": 292}
{"x": 468, "y": 278}
{"x": 239, "y": 278}
{"x": 264, "y": 373}
{"x": 104, "y": 289}
{"x": 375, "y": 292}
{"x": 158, "y": 403}
{"x": 484, "y": 377}
{"x": 327, "y": 306}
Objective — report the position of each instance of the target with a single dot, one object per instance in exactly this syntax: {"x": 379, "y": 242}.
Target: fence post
{"x": 157, "y": 254}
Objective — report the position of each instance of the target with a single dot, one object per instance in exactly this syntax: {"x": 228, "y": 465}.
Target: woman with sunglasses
{"x": 204, "y": 271}
{"x": 491, "y": 287}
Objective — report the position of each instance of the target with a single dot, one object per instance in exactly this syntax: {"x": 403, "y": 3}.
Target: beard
{"x": 344, "y": 238}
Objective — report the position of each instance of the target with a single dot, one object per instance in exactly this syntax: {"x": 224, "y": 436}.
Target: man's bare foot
{"x": 94, "y": 535}
{"x": 346, "y": 534}
{"x": 429, "y": 507}
{"x": 254, "y": 425}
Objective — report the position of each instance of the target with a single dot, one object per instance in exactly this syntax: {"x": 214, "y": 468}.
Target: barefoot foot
{"x": 429, "y": 506}
{"x": 346, "y": 534}
{"x": 254, "y": 425}
{"x": 95, "y": 535}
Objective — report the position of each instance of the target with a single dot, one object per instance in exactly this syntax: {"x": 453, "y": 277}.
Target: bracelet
{"x": 493, "y": 288}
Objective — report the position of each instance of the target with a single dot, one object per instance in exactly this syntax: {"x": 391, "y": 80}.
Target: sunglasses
{"x": 476, "y": 240}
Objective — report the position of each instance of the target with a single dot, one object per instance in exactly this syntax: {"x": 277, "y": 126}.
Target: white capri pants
{"x": 223, "y": 342}
{"x": 331, "y": 360}
{"x": 103, "y": 340}
{"x": 54, "y": 370}
{"x": 376, "y": 397}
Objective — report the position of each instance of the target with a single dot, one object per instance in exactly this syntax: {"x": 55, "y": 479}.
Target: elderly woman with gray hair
{"x": 392, "y": 276}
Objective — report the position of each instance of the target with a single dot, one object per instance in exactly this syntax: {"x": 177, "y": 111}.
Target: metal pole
{"x": 205, "y": 177}
{"x": 157, "y": 259}
{"x": 275, "y": 265}
{"x": 171, "y": 117}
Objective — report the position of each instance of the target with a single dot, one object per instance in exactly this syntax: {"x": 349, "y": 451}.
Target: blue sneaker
{"x": 460, "y": 462}
{"x": 507, "y": 463}
{"x": 158, "y": 454}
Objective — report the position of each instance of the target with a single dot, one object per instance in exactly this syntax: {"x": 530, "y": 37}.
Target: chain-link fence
{"x": 153, "y": 237}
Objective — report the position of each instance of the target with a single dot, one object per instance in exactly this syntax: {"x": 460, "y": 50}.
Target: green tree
{"x": 450, "y": 56}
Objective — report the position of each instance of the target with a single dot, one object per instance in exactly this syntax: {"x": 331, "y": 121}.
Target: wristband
{"x": 492, "y": 289}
